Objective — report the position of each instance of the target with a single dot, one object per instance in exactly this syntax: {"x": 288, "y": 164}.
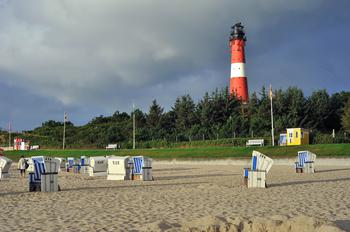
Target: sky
{"x": 93, "y": 57}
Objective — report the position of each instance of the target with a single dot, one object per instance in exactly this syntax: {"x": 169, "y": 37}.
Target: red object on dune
{"x": 238, "y": 80}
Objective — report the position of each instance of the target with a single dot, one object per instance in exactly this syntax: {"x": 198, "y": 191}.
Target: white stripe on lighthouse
{"x": 237, "y": 70}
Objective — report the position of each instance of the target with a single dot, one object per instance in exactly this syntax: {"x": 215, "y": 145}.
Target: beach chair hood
{"x": 5, "y": 164}
{"x": 261, "y": 162}
{"x": 4, "y": 161}
{"x": 39, "y": 167}
{"x": 141, "y": 162}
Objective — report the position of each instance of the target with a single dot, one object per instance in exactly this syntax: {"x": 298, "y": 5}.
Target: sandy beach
{"x": 183, "y": 197}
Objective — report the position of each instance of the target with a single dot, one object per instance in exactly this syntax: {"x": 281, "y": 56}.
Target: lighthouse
{"x": 238, "y": 80}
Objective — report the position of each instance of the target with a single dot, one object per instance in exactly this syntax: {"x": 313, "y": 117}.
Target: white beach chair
{"x": 63, "y": 162}
{"x": 260, "y": 166}
{"x": 305, "y": 162}
{"x": 45, "y": 175}
{"x": 119, "y": 168}
{"x": 98, "y": 166}
{"x": 142, "y": 168}
{"x": 5, "y": 164}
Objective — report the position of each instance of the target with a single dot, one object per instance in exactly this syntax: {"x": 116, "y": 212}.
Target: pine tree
{"x": 184, "y": 109}
{"x": 318, "y": 110}
{"x": 346, "y": 117}
{"x": 154, "y": 119}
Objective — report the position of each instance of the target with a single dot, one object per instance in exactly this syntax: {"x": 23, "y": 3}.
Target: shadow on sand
{"x": 131, "y": 186}
{"x": 107, "y": 187}
{"x": 308, "y": 182}
{"x": 173, "y": 169}
{"x": 333, "y": 170}
{"x": 343, "y": 224}
{"x": 13, "y": 193}
{"x": 193, "y": 176}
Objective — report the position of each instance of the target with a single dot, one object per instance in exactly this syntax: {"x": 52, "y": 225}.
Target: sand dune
{"x": 183, "y": 197}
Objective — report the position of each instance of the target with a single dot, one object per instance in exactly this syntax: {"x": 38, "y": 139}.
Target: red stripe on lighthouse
{"x": 237, "y": 51}
{"x": 239, "y": 88}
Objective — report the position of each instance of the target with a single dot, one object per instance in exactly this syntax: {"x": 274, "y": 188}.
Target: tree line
{"x": 215, "y": 116}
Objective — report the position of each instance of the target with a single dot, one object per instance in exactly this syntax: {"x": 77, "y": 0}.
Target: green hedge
{"x": 316, "y": 138}
{"x": 239, "y": 142}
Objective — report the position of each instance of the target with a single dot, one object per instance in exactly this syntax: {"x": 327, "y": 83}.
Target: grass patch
{"x": 323, "y": 150}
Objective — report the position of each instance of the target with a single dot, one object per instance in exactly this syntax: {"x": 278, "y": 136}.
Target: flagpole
{"x": 64, "y": 130}
{"x": 133, "y": 127}
{"x": 272, "y": 127}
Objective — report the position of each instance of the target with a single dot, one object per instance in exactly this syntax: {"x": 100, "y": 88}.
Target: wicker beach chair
{"x": 142, "y": 169}
{"x": 63, "y": 162}
{"x": 70, "y": 163}
{"x": 44, "y": 177}
{"x": 5, "y": 164}
{"x": 84, "y": 164}
{"x": 305, "y": 162}
{"x": 119, "y": 168}
{"x": 97, "y": 166}
{"x": 256, "y": 175}
{"x": 35, "y": 176}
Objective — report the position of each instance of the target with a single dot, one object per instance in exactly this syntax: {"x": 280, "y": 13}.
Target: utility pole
{"x": 65, "y": 117}
{"x": 9, "y": 134}
{"x": 272, "y": 128}
{"x": 133, "y": 127}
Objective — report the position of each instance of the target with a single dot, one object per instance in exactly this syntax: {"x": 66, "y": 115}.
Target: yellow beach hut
{"x": 297, "y": 136}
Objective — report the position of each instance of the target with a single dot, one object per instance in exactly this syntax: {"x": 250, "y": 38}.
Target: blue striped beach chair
{"x": 84, "y": 164}
{"x": 283, "y": 140}
{"x": 35, "y": 177}
{"x": 256, "y": 175}
{"x": 302, "y": 157}
{"x": 305, "y": 162}
{"x": 70, "y": 163}
{"x": 142, "y": 167}
{"x": 44, "y": 177}
{"x": 84, "y": 161}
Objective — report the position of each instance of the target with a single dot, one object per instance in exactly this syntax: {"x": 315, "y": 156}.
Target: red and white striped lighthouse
{"x": 238, "y": 80}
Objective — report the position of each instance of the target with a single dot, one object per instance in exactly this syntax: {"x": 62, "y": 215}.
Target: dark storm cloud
{"x": 93, "y": 57}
